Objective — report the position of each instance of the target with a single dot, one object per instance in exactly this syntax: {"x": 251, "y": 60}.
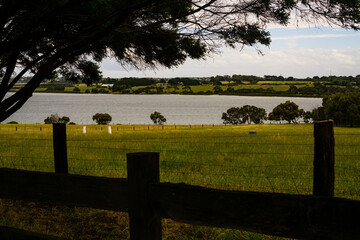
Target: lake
{"x": 136, "y": 109}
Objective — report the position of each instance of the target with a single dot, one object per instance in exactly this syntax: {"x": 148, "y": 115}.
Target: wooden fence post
{"x": 324, "y": 158}
{"x": 142, "y": 169}
{"x": 60, "y": 150}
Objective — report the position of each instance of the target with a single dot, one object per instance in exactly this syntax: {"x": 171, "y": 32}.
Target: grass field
{"x": 278, "y": 158}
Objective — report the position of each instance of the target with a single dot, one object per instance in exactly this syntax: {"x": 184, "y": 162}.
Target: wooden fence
{"x": 147, "y": 200}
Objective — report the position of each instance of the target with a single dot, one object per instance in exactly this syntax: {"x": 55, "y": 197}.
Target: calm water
{"x": 136, "y": 109}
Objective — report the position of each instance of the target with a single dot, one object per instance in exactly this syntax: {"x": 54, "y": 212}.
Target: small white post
{"x": 84, "y": 129}
{"x": 109, "y": 129}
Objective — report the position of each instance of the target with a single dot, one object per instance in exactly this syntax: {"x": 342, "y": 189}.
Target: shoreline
{"x": 189, "y": 94}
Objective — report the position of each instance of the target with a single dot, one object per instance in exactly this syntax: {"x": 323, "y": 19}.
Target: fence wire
{"x": 232, "y": 160}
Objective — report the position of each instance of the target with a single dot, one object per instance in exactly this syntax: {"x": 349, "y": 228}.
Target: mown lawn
{"x": 278, "y": 158}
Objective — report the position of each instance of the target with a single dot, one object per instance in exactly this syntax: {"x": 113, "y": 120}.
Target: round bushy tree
{"x": 252, "y": 114}
{"x": 157, "y": 118}
{"x": 288, "y": 111}
{"x": 102, "y": 118}
{"x": 232, "y": 116}
{"x": 245, "y": 114}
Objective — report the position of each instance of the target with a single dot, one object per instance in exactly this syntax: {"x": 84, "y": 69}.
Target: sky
{"x": 299, "y": 52}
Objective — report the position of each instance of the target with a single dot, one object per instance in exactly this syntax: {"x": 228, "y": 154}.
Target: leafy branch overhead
{"x": 41, "y": 37}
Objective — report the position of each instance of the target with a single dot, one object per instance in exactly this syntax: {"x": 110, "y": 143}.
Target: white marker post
{"x": 84, "y": 129}
{"x": 109, "y": 129}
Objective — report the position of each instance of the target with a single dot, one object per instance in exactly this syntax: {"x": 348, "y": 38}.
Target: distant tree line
{"x": 184, "y": 81}
{"x": 245, "y": 114}
{"x": 343, "y": 108}
{"x": 288, "y": 111}
{"x": 224, "y": 85}
{"x": 321, "y": 89}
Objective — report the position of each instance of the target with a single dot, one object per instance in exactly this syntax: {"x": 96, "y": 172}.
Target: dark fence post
{"x": 324, "y": 158}
{"x": 60, "y": 150}
{"x": 142, "y": 169}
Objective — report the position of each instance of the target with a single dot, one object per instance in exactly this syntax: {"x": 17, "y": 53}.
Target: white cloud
{"x": 316, "y": 36}
{"x": 292, "y": 61}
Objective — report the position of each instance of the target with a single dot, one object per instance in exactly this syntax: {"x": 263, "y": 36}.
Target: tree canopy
{"x": 42, "y": 37}
{"x": 102, "y": 118}
{"x": 343, "y": 108}
{"x": 55, "y": 118}
{"x": 232, "y": 116}
{"x": 157, "y": 118}
{"x": 245, "y": 114}
{"x": 288, "y": 111}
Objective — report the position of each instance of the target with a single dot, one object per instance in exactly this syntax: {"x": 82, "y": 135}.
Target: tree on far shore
{"x": 157, "y": 118}
{"x": 55, "y": 118}
{"x": 102, "y": 118}
{"x": 245, "y": 114}
{"x": 288, "y": 111}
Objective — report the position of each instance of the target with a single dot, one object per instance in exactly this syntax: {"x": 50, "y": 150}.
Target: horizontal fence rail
{"x": 291, "y": 216}
{"x": 294, "y": 216}
{"x": 64, "y": 190}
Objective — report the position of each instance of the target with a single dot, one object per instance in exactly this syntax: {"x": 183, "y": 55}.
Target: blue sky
{"x": 315, "y": 38}
{"x": 298, "y": 52}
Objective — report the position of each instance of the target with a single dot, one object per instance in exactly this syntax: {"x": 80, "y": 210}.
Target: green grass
{"x": 278, "y": 158}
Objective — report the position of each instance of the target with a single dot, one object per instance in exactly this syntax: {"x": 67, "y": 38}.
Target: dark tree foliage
{"x": 318, "y": 114}
{"x": 55, "y": 118}
{"x": 288, "y": 111}
{"x": 246, "y": 78}
{"x": 102, "y": 118}
{"x": 184, "y": 81}
{"x": 343, "y": 108}
{"x": 119, "y": 87}
{"x": 254, "y": 114}
{"x": 157, "y": 118}
{"x": 232, "y": 116}
{"x": 84, "y": 71}
{"x": 307, "y": 116}
{"x": 133, "y": 82}
{"x": 41, "y": 37}
{"x": 217, "y": 89}
{"x": 245, "y": 114}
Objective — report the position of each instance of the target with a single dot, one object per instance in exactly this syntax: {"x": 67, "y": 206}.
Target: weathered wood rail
{"x": 294, "y": 216}
{"x": 147, "y": 201}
